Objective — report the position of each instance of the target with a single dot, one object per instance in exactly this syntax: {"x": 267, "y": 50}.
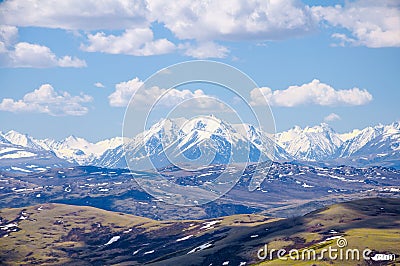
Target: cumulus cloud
{"x": 46, "y": 100}
{"x": 206, "y": 50}
{"x": 39, "y": 56}
{"x": 75, "y": 14}
{"x": 23, "y": 54}
{"x": 200, "y": 20}
{"x": 137, "y": 41}
{"x": 315, "y": 92}
{"x": 370, "y": 23}
{"x": 203, "y": 22}
{"x": 162, "y": 97}
{"x": 69, "y": 61}
{"x": 8, "y": 35}
{"x": 233, "y": 19}
{"x": 174, "y": 97}
{"x": 123, "y": 92}
{"x": 99, "y": 85}
{"x": 332, "y": 117}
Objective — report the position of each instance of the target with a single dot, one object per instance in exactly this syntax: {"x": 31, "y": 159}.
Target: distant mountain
{"x": 3, "y": 140}
{"x": 354, "y": 144}
{"x": 183, "y": 141}
{"x": 23, "y": 140}
{"x": 311, "y": 143}
{"x": 72, "y": 149}
{"x": 383, "y": 148}
{"x": 19, "y": 153}
{"x": 79, "y": 150}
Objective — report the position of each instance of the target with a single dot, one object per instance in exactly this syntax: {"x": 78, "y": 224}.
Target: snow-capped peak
{"x": 80, "y": 150}
{"x": 393, "y": 128}
{"x": 315, "y": 143}
{"x": 23, "y": 140}
{"x": 311, "y": 143}
{"x": 352, "y": 145}
{"x": 77, "y": 143}
{"x": 323, "y": 127}
{"x": 349, "y": 135}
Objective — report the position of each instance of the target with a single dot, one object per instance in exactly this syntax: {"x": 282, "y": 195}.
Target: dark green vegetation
{"x": 75, "y": 235}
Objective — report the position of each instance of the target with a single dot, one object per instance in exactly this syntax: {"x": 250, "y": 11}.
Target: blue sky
{"x": 69, "y": 68}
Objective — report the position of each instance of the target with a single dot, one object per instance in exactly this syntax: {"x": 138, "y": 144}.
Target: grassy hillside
{"x": 55, "y": 234}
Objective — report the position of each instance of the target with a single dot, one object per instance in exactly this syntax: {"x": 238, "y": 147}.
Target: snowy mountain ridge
{"x": 311, "y": 143}
{"x": 72, "y": 149}
{"x": 314, "y": 144}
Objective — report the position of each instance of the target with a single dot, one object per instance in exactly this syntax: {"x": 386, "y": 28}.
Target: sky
{"x": 71, "y": 67}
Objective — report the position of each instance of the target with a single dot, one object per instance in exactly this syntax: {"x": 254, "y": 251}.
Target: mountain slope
{"x": 72, "y": 149}
{"x": 25, "y": 159}
{"x": 311, "y": 143}
{"x": 79, "y": 150}
{"x": 352, "y": 145}
{"x": 186, "y": 141}
{"x": 384, "y": 147}
{"x": 22, "y": 140}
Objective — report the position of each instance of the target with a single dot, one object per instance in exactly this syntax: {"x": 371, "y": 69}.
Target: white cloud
{"x": 46, "y": 100}
{"x": 138, "y": 41}
{"x": 25, "y": 54}
{"x": 173, "y": 97}
{"x": 314, "y": 92}
{"x": 68, "y": 61}
{"x": 206, "y": 50}
{"x": 233, "y": 19}
{"x": 332, "y": 117}
{"x": 187, "y": 19}
{"x": 8, "y": 35}
{"x": 34, "y": 55}
{"x": 162, "y": 97}
{"x": 75, "y": 14}
{"x": 204, "y": 22}
{"x": 99, "y": 85}
{"x": 370, "y": 23}
{"x": 123, "y": 92}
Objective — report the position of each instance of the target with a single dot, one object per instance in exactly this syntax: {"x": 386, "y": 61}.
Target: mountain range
{"x": 212, "y": 138}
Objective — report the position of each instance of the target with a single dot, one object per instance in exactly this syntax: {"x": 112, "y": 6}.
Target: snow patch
{"x": 18, "y": 154}
{"x": 112, "y": 240}
{"x": 20, "y": 169}
{"x": 149, "y": 252}
{"x": 208, "y": 225}
{"x": 202, "y": 247}
{"x": 184, "y": 238}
